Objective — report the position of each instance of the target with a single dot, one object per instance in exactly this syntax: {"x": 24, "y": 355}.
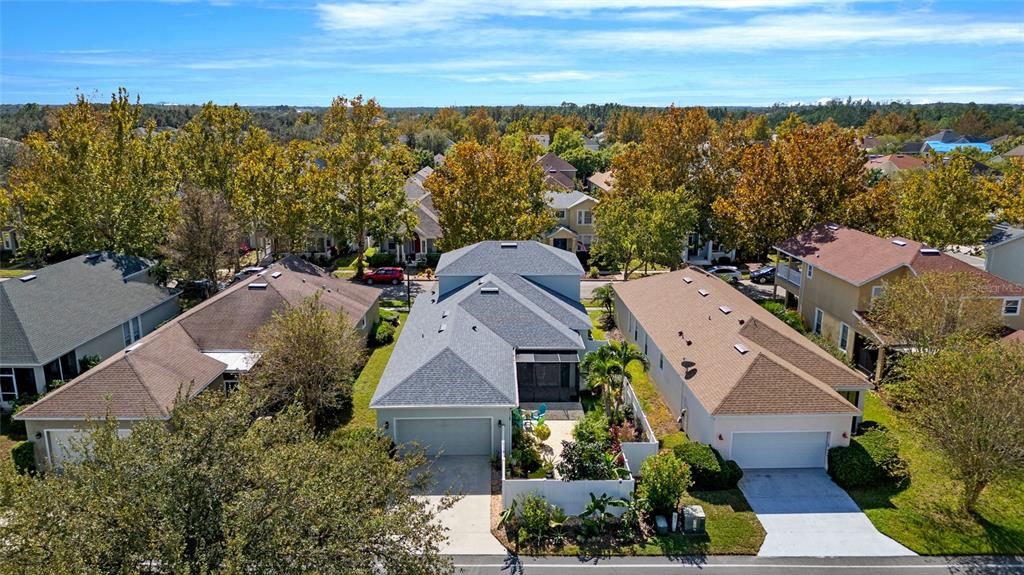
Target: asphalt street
{"x": 739, "y": 565}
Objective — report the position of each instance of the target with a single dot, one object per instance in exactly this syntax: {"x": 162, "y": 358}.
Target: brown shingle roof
{"x": 782, "y": 372}
{"x": 859, "y": 257}
{"x": 603, "y": 180}
{"x": 147, "y": 380}
{"x": 898, "y": 161}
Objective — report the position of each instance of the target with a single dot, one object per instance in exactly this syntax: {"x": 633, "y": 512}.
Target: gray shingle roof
{"x": 1002, "y": 233}
{"x": 527, "y": 258}
{"x": 70, "y": 303}
{"x": 566, "y": 200}
{"x": 460, "y": 349}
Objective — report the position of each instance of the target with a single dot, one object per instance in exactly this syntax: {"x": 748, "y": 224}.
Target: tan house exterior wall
{"x": 569, "y": 221}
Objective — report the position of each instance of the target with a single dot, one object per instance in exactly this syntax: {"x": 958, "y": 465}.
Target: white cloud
{"x": 806, "y": 31}
{"x": 527, "y": 77}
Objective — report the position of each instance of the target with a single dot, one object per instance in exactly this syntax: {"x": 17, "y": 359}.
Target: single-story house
{"x": 893, "y": 163}
{"x": 207, "y": 347}
{"x": 88, "y": 306}
{"x": 737, "y": 377}
{"x": 504, "y": 325}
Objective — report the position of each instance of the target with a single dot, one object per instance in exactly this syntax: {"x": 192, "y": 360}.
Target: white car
{"x": 730, "y": 274}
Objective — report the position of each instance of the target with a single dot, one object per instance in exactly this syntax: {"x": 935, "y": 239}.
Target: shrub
{"x": 537, "y": 519}
{"x": 542, "y": 431}
{"x": 705, "y": 465}
{"x": 624, "y": 433}
{"x": 380, "y": 259}
{"x": 592, "y": 428}
{"x": 594, "y": 272}
{"x": 525, "y": 455}
{"x": 389, "y": 316}
{"x": 791, "y": 317}
{"x": 586, "y": 460}
{"x": 871, "y": 459}
{"x": 429, "y": 272}
{"x": 433, "y": 259}
{"x": 384, "y": 334}
{"x": 663, "y": 480}
{"x": 24, "y": 457}
{"x": 12, "y": 427}
{"x": 733, "y": 474}
{"x": 88, "y": 362}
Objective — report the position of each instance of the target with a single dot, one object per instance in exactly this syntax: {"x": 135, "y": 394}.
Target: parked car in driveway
{"x": 247, "y": 271}
{"x": 765, "y": 275}
{"x": 393, "y": 276}
{"x": 731, "y": 274}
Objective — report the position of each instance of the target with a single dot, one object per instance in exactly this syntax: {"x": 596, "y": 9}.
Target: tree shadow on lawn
{"x": 1004, "y": 540}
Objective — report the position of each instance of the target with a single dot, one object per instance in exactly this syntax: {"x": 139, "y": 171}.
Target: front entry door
{"x": 561, "y": 243}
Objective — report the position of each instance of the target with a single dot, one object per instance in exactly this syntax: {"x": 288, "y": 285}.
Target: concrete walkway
{"x": 805, "y": 514}
{"x": 469, "y": 520}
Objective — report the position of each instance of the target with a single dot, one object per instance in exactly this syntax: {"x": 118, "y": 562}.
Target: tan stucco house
{"x": 735, "y": 376}
{"x": 831, "y": 273}
{"x": 574, "y": 229}
{"x": 207, "y": 347}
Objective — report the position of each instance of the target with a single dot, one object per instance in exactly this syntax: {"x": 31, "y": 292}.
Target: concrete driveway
{"x": 469, "y": 520}
{"x": 805, "y": 514}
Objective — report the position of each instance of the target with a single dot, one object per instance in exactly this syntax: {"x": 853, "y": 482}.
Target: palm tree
{"x": 604, "y": 296}
{"x": 600, "y": 370}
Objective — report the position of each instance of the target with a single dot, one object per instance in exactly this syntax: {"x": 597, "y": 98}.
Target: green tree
{"x": 969, "y": 399}
{"x": 489, "y": 192}
{"x": 433, "y": 139}
{"x": 203, "y": 236}
{"x": 481, "y": 127}
{"x": 215, "y": 490}
{"x": 944, "y": 205}
{"x": 565, "y": 139}
{"x": 366, "y": 171}
{"x": 605, "y": 370}
{"x": 95, "y": 181}
{"x": 805, "y": 177}
{"x": 209, "y": 147}
{"x": 309, "y": 355}
{"x": 925, "y": 312}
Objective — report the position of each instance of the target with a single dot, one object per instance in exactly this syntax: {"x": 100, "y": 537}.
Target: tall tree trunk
{"x": 972, "y": 492}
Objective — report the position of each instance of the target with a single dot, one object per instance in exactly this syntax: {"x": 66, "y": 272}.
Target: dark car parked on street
{"x": 390, "y": 275}
{"x": 764, "y": 275}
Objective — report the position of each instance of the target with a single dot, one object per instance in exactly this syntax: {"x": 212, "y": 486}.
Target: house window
{"x": 877, "y": 291}
{"x": 132, "y": 330}
{"x": 819, "y": 316}
{"x": 7, "y": 240}
{"x": 230, "y": 382}
{"x": 844, "y": 336}
{"x": 586, "y": 241}
{"x": 8, "y": 386}
{"x": 810, "y": 271}
{"x": 560, "y": 214}
{"x": 1011, "y": 306}
{"x": 584, "y": 218}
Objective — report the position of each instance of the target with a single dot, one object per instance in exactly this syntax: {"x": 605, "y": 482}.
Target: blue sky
{"x": 463, "y": 52}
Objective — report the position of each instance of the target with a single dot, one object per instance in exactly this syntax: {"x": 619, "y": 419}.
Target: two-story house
{"x": 57, "y": 319}
{"x": 574, "y": 215}
{"x": 209, "y": 347}
{"x": 558, "y": 174}
{"x": 831, "y": 273}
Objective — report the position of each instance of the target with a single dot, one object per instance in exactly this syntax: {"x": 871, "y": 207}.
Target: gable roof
{"x": 566, "y": 200}
{"x": 782, "y": 372}
{"x": 526, "y": 258}
{"x": 459, "y": 350}
{"x": 553, "y": 163}
{"x": 603, "y": 180}
{"x": 897, "y": 161}
{"x": 1015, "y": 152}
{"x": 71, "y": 302}
{"x": 146, "y": 379}
{"x": 858, "y": 258}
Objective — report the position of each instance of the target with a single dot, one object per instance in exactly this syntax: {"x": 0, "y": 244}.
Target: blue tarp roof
{"x": 943, "y": 147}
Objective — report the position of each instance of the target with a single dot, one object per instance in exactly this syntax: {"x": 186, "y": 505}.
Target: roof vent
{"x": 489, "y": 290}
{"x": 258, "y": 285}
{"x": 742, "y": 348}
{"x": 28, "y": 278}
{"x": 900, "y": 243}
{"x": 92, "y": 256}
{"x": 132, "y": 347}
{"x": 703, "y": 292}
{"x": 443, "y": 327}
{"x": 930, "y": 252}
{"x": 833, "y": 227}
{"x": 687, "y": 279}
{"x": 444, "y": 314}
{"x": 275, "y": 275}
{"x": 511, "y": 245}
{"x": 725, "y": 309}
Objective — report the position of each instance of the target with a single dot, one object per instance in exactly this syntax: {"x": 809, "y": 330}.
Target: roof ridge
{"x": 17, "y": 323}
{"x": 803, "y": 376}
{"x": 129, "y": 361}
{"x": 533, "y": 307}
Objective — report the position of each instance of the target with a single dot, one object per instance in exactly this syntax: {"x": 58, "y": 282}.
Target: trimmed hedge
{"x": 24, "y": 457}
{"x": 871, "y": 459}
{"x": 710, "y": 472}
{"x": 384, "y": 334}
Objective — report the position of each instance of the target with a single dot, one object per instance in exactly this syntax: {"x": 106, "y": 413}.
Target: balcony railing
{"x": 792, "y": 275}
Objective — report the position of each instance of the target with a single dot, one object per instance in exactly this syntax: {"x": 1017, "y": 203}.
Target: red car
{"x": 384, "y": 275}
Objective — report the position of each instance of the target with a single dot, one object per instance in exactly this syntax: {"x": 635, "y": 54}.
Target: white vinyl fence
{"x": 638, "y": 451}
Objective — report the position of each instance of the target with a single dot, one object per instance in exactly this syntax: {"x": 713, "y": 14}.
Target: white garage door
{"x": 774, "y": 449}
{"x": 471, "y": 436}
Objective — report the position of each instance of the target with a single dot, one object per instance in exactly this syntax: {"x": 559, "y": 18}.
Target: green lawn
{"x": 926, "y": 516}
{"x": 14, "y": 273}
{"x": 366, "y": 383}
{"x": 595, "y": 320}
{"x": 658, "y": 414}
{"x": 732, "y": 529}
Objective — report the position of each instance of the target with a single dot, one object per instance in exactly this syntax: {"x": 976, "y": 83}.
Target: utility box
{"x": 661, "y": 525}
{"x": 694, "y": 519}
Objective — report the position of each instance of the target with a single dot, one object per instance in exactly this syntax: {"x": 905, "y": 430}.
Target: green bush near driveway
{"x": 663, "y": 481}
{"x": 24, "y": 457}
{"x": 384, "y": 334}
{"x": 709, "y": 470}
{"x": 871, "y": 459}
